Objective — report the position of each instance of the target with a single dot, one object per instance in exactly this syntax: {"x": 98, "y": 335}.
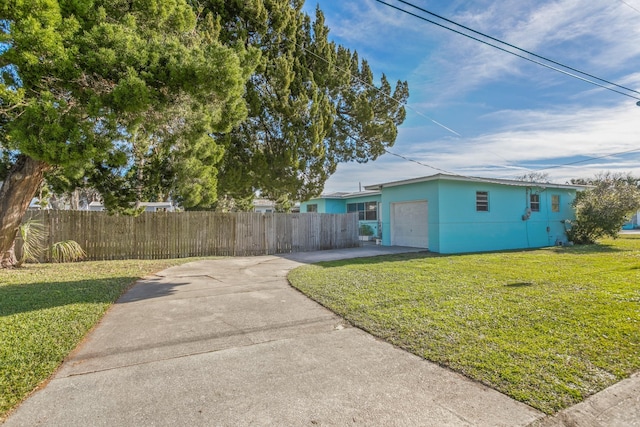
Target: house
{"x": 269, "y": 206}
{"x": 364, "y": 203}
{"x": 148, "y": 206}
{"x": 264, "y": 206}
{"x": 456, "y": 214}
{"x": 633, "y": 223}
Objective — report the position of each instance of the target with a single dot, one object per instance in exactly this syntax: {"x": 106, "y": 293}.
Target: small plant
{"x": 603, "y": 209}
{"x": 366, "y": 230}
{"x": 67, "y": 251}
{"x": 32, "y": 236}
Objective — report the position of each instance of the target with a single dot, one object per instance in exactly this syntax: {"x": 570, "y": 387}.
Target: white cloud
{"x": 369, "y": 23}
{"x": 539, "y": 139}
{"x": 598, "y": 37}
{"x": 568, "y": 31}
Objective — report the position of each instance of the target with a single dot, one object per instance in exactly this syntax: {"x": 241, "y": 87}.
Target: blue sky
{"x": 512, "y": 116}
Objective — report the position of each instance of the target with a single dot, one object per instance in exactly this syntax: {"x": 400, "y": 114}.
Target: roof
{"x": 345, "y": 195}
{"x": 264, "y": 202}
{"x": 448, "y": 177}
{"x": 146, "y": 204}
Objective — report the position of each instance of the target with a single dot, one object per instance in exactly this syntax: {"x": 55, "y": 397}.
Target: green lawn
{"x": 46, "y": 310}
{"x": 547, "y": 327}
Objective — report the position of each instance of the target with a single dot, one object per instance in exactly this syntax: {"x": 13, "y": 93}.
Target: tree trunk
{"x": 17, "y": 191}
{"x": 74, "y": 200}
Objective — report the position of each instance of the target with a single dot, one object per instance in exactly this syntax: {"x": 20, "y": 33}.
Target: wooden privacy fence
{"x": 185, "y": 234}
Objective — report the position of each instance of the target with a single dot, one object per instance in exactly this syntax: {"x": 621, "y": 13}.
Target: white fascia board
{"x": 498, "y": 181}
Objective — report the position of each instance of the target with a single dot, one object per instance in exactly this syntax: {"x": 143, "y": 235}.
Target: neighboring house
{"x": 455, "y": 214}
{"x": 264, "y": 206}
{"x": 633, "y": 223}
{"x": 269, "y": 206}
{"x": 364, "y": 203}
{"x": 148, "y": 206}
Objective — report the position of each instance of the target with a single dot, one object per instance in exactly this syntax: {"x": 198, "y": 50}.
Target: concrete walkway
{"x": 229, "y": 342}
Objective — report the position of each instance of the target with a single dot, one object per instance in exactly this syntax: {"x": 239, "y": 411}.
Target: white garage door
{"x": 409, "y": 226}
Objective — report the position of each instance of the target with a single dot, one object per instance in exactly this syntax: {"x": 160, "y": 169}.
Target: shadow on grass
{"x": 519, "y": 285}
{"x": 24, "y": 298}
{"x": 587, "y": 249}
{"x": 377, "y": 259}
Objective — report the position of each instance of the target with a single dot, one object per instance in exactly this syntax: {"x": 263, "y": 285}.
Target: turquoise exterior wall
{"x": 325, "y": 205}
{"x": 463, "y": 229}
{"x": 456, "y": 227}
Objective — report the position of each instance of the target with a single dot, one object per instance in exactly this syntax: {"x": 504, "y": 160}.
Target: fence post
{"x": 179, "y": 234}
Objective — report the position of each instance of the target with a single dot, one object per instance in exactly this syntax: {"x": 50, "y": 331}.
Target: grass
{"x": 46, "y": 310}
{"x": 547, "y": 327}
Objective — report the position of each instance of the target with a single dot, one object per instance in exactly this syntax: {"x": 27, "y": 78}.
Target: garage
{"x": 409, "y": 224}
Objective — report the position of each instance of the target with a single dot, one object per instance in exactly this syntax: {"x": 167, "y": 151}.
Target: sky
{"x": 500, "y": 116}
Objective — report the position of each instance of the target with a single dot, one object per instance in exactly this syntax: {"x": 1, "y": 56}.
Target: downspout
{"x": 548, "y": 202}
{"x": 527, "y": 208}
{"x": 527, "y": 214}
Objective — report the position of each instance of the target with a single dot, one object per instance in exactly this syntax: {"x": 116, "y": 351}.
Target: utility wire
{"x": 403, "y": 157}
{"x": 449, "y": 129}
{"x": 516, "y": 54}
{"x": 588, "y": 160}
{"x": 419, "y": 163}
{"x": 630, "y": 6}
{"x": 518, "y": 48}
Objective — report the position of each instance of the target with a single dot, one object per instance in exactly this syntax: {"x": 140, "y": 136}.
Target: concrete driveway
{"x": 229, "y": 342}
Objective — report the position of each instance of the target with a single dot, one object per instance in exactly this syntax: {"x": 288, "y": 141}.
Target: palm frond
{"x": 32, "y": 234}
{"x": 67, "y": 251}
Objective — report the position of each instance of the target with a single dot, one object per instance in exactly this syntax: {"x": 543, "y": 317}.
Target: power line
{"x": 530, "y": 170}
{"x": 517, "y": 48}
{"x": 418, "y": 162}
{"x": 391, "y": 98}
{"x": 451, "y": 130}
{"x": 403, "y": 157}
{"x": 516, "y": 54}
{"x": 622, "y": 1}
{"x": 588, "y": 160}
{"x": 448, "y": 129}
{"x": 528, "y": 59}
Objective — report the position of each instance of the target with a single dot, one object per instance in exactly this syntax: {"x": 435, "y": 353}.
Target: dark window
{"x": 535, "y": 203}
{"x": 371, "y": 213}
{"x": 366, "y": 211}
{"x": 312, "y": 208}
{"x": 482, "y": 201}
{"x": 555, "y": 203}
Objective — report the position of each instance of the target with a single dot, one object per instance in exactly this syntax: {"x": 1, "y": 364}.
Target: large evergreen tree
{"x": 146, "y": 100}
{"x": 89, "y": 88}
{"x": 312, "y": 103}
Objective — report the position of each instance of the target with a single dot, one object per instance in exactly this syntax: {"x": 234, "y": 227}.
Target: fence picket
{"x": 183, "y": 234}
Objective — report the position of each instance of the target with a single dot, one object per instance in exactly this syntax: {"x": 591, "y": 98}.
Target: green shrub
{"x": 366, "y": 230}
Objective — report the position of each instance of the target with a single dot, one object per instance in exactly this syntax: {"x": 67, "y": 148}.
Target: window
{"x": 312, "y": 207}
{"x": 555, "y": 203}
{"x": 535, "y": 202}
{"x": 482, "y": 201}
{"x": 366, "y": 211}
